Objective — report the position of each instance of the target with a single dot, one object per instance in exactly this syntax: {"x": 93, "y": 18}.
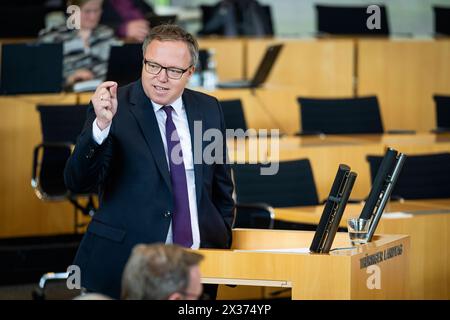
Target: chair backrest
{"x": 441, "y": 20}
{"x": 266, "y": 13}
{"x": 41, "y": 74}
{"x": 22, "y": 20}
{"x": 59, "y": 124}
{"x": 233, "y": 114}
{"x": 422, "y": 177}
{"x": 340, "y": 116}
{"x": 233, "y": 18}
{"x": 292, "y": 185}
{"x": 129, "y": 54}
{"x": 442, "y": 111}
{"x": 349, "y": 20}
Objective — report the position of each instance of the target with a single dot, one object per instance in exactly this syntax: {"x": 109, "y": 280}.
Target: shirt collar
{"x": 177, "y": 105}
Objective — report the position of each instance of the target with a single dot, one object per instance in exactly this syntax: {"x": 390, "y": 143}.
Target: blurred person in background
{"x": 127, "y": 18}
{"x": 86, "y": 51}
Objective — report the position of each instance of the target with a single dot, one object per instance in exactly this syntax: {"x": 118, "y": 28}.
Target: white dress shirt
{"x": 179, "y": 117}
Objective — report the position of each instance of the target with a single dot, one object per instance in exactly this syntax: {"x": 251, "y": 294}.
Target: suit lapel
{"x": 141, "y": 108}
{"x": 194, "y": 114}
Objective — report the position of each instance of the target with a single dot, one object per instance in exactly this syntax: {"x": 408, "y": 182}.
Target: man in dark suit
{"x": 137, "y": 148}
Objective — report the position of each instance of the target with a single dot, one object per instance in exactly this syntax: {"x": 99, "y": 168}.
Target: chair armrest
{"x": 257, "y": 207}
{"x": 440, "y": 130}
{"x": 39, "y": 292}
{"x": 35, "y": 184}
{"x": 401, "y": 131}
{"x": 310, "y": 133}
{"x": 63, "y": 145}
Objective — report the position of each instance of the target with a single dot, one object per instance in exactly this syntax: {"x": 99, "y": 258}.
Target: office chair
{"x": 442, "y": 112}
{"x": 256, "y": 194}
{"x": 441, "y": 20}
{"x": 60, "y": 127}
{"x": 349, "y": 20}
{"x": 340, "y": 116}
{"x": 22, "y": 20}
{"x": 233, "y": 113}
{"x": 423, "y": 176}
{"x": 228, "y": 20}
{"x": 293, "y": 184}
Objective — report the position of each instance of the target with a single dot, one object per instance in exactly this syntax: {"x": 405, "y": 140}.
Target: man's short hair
{"x": 172, "y": 32}
{"x": 154, "y": 272}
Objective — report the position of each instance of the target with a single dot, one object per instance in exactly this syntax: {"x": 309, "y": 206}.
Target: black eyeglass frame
{"x": 183, "y": 71}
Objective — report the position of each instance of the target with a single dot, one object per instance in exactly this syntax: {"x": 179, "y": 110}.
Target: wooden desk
{"x": 429, "y": 228}
{"x": 338, "y": 275}
{"x": 322, "y": 68}
{"x": 84, "y": 97}
{"x": 413, "y": 143}
{"x": 229, "y": 56}
{"x": 404, "y": 74}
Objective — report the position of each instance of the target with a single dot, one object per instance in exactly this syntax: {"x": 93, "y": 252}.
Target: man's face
{"x": 169, "y": 54}
{"x": 91, "y": 12}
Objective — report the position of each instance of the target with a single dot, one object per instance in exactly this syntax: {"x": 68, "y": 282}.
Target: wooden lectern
{"x": 377, "y": 270}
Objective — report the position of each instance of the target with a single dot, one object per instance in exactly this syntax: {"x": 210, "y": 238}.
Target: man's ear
{"x": 175, "y": 296}
{"x": 192, "y": 70}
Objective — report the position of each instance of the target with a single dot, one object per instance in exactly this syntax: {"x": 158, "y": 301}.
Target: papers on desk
{"x": 88, "y": 85}
{"x": 285, "y": 250}
{"x": 396, "y": 215}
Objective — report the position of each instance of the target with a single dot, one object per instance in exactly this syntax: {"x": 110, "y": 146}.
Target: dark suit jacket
{"x": 130, "y": 171}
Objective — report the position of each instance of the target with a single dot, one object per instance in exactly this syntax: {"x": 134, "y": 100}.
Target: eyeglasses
{"x": 172, "y": 73}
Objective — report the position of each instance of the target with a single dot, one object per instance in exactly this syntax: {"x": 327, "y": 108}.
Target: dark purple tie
{"x": 181, "y": 219}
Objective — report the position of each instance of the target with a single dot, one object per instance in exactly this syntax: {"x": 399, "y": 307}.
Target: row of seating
{"x": 423, "y": 176}
{"x": 330, "y": 20}
{"x": 338, "y": 116}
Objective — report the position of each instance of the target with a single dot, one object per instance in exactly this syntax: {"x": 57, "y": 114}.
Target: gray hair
{"x": 154, "y": 272}
{"x": 172, "y": 32}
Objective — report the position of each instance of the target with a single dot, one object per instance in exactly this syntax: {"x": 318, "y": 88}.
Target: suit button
{"x": 167, "y": 214}
{"x": 90, "y": 154}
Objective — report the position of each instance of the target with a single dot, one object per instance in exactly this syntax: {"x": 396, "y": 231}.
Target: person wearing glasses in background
{"x": 86, "y": 51}
{"x": 162, "y": 272}
{"x": 137, "y": 150}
